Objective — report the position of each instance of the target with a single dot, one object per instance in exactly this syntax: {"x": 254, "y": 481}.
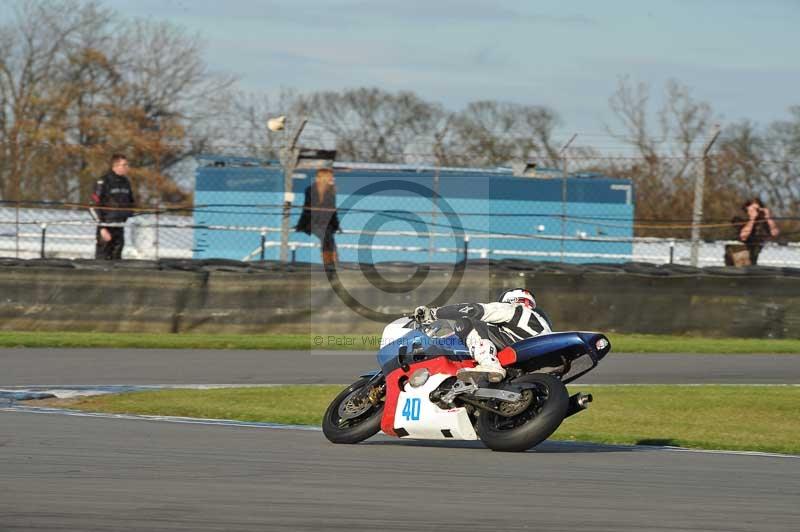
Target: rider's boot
{"x": 485, "y": 354}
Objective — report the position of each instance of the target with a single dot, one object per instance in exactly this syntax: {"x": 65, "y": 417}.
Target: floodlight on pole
{"x": 289, "y": 156}
{"x": 277, "y": 123}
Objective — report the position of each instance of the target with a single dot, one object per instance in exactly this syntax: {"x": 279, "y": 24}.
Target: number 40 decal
{"x": 411, "y": 409}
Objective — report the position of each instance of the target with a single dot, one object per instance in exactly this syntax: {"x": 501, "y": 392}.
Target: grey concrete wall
{"x": 216, "y": 301}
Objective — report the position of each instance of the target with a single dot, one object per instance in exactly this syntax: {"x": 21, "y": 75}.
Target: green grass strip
{"x": 752, "y": 418}
{"x": 154, "y": 341}
{"x": 621, "y": 343}
{"x": 296, "y": 405}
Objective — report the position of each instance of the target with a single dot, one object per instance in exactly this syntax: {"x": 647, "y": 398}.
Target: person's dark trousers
{"x": 111, "y": 250}
{"x": 755, "y": 251}
{"x": 325, "y": 235}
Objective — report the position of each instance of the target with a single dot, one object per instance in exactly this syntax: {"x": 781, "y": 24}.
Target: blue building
{"x": 416, "y": 214}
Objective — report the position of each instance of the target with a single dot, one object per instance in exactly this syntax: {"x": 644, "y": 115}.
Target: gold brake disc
{"x": 517, "y": 407}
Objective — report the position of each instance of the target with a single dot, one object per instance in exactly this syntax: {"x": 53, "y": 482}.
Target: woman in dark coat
{"x": 319, "y": 215}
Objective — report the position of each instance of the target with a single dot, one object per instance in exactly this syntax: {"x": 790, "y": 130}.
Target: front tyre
{"x": 352, "y": 416}
{"x": 533, "y": 422}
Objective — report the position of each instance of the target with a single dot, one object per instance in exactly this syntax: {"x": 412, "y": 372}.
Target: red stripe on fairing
{"x": 390, "y": 404}
{"x": 95, "y": 198}
{"x": 507, "y": 356}
{"x": 438, "y": 365}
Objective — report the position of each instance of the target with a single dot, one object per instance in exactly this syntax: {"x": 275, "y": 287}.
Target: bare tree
{"x": 370, "y": 124}
{"x": 33, "y": 58}
{"x": 490, "y": 133}
{"x": 682, "y": 123}
{"x": 241, "y": 123}
{"x": 77, "y": 83}
{"x": 667, "y": 153}
{"x": 169, "y": 96}
{"x": 630, "y": 106}
{"x": 781, "y": 180}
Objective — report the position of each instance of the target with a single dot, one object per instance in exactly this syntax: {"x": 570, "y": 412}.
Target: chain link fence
{"x": 584, "y": 210}
{"x": 29, "y": 231}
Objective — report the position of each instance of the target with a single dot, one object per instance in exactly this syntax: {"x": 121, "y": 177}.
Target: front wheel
{"x": 355, "y": 414}
{"x": 533, "y": 420}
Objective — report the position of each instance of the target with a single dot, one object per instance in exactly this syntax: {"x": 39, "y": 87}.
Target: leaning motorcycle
{"x": 417, "y": 395}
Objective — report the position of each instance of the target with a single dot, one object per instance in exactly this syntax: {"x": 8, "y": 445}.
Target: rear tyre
{"x": 351, "y": 417}
{"x": 549, "y": 401}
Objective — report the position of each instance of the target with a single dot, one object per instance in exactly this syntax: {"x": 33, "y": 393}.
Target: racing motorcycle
{"x": 416, "y": 393}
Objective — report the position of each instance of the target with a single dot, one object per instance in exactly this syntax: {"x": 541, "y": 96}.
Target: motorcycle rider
{"x": 486, "y": 327}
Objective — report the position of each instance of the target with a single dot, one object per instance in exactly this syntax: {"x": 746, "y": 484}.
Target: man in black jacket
{"x": 112, "y": 200}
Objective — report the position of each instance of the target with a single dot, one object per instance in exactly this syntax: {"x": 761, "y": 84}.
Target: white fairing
{"x": 424, "y": 420}
{"x": 394, "y": 330}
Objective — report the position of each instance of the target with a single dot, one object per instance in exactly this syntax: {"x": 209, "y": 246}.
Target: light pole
{"x": 289, "y": 156}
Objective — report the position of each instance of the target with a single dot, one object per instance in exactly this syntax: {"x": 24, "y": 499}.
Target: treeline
{"x": 78, "y": 82}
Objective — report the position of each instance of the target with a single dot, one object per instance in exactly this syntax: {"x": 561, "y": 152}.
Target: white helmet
{"x": 519, "y": 295}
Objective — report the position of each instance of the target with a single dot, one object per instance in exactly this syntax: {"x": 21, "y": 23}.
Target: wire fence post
{"x": 16, "y": 225}
{"x": 44, "y": 238}
{"x": 158, "y": 226}
{"x": 431, "y": 236}
{"x": 699, "y": 186}
{"x": 263, "y": 245}
{"x": 563, "y": 154}
{"x": 466, "y": 248}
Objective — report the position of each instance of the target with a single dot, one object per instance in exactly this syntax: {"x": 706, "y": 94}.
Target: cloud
{"x": 419, "y": 13}
{"x": 489, "y": 57}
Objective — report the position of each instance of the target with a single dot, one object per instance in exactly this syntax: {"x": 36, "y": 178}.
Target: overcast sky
{"x": 741, "y": 56}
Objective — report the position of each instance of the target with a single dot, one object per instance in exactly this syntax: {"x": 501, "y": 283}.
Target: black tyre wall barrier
{"x": 263, "y": 297}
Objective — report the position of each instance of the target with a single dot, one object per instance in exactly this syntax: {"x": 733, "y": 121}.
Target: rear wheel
{"x": 355, "y": 414}
{"x": 532, "y": 420}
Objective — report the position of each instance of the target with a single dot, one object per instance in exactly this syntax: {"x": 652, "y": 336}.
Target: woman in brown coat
{"x": 319, "y": 215}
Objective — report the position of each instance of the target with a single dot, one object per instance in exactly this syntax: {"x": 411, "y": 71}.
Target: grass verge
{"x": 753, "y": 418}
{"x": 621, "y": 343}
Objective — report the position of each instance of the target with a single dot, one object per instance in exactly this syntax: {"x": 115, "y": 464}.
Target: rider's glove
{"x": 423, "y": 314}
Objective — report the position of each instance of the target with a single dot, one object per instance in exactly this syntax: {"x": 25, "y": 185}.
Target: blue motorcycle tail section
{"x": 574, "y": 352}
{"x": 567, "y": 354}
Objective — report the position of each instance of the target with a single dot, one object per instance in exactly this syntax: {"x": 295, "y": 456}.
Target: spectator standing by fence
{"x": 319, "y": 216}
{"x": 112, "y": 202}
{"x": 756, "y": 228}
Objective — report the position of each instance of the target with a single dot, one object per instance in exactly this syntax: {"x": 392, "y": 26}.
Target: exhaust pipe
{"x": 578, "y": 402}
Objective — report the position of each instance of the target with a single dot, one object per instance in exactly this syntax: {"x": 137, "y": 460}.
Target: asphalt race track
{"x": 72, "y": 473}
{"x": 130, "y": 366}
{"x": 63, "y": 473}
